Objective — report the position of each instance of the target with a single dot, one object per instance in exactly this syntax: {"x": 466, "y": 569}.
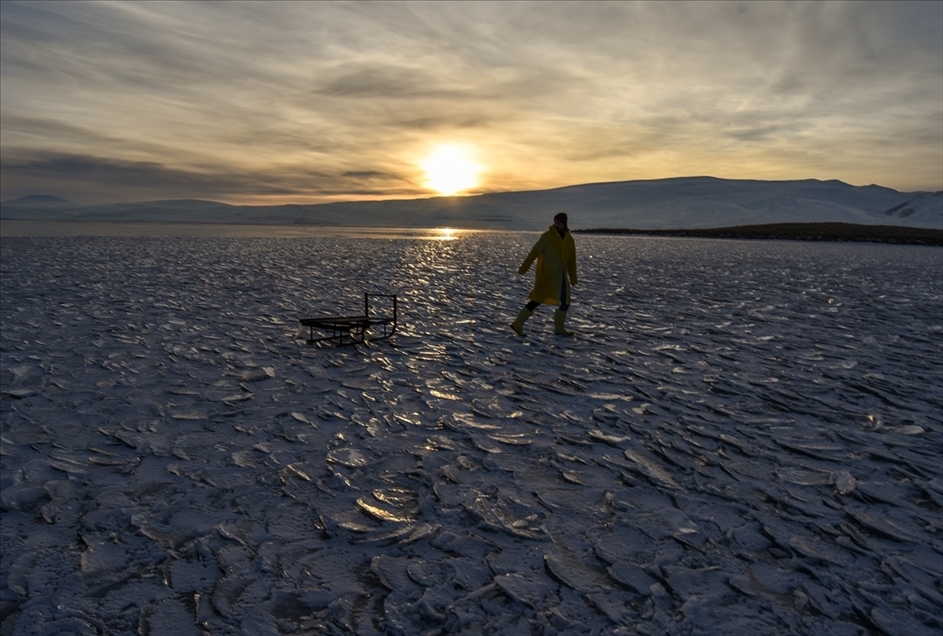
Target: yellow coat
{"x": 556, "y": 258}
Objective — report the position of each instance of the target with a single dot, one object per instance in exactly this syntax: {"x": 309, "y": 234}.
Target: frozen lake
{"x": 743, "y": 438}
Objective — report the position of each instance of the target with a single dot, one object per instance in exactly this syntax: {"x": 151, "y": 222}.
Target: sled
{"x": 347, "y": 330}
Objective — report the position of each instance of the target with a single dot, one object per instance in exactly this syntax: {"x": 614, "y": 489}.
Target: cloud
{"x": 384, "y": 81}
{"x": 317, "y": 99}
{"x": 145, "y": 180}
{"x": 123, "y": 176}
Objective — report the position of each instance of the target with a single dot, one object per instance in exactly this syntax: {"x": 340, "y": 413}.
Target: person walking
{"x": 555, "y": 253}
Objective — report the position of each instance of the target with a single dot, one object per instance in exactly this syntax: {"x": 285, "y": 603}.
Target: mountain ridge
{"x": 39, "y": 199}
{"x": 671, "y": 203}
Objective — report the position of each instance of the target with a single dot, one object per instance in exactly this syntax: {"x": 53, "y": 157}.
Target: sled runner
{"x": 346, "y": 330}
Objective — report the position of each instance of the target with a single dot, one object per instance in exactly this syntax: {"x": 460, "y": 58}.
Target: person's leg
{"x": 526, "y": 312}
{"x": 559, "y": 316}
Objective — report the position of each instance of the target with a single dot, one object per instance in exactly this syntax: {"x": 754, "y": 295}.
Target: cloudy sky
{"x": 309, "y": 102}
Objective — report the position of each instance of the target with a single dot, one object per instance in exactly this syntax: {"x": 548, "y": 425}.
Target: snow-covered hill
{"x": 682, "y": 203}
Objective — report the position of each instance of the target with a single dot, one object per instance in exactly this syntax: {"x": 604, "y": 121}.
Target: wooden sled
{"x": 346, "y": 330}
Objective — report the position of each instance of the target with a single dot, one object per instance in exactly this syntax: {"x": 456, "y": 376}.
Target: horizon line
{"x": 461, "y": 196}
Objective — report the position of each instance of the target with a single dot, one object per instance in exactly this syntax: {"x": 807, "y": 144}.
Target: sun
{"x": 450, "y": 169}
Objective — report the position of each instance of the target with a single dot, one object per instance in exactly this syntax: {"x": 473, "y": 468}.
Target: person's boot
{"x": 559, "y": 317}
{"x": 522, "y": 317}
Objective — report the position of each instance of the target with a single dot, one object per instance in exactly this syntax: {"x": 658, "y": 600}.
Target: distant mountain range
{"x": 665, "y": 204}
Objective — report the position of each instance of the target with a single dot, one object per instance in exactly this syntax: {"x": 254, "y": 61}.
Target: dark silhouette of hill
{"x": 39, "y": 200}
{"x": 801, "y": 232}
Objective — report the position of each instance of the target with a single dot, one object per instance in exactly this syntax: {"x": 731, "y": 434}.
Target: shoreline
{"x": 816, "y": 232}
{"x": 826, "y": 232}
{"x": 73, "y": 228}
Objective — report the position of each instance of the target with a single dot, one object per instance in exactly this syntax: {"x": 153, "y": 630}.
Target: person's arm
{"x": 571, "y": 261}
{"x": 534, "y": 253}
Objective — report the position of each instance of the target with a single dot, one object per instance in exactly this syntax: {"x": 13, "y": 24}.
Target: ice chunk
{"x": 651, "y": 469}
{"x": 382, "y": 514}
{"x": 529, "y": 590}
{"x": 844, "y": 482}
{"x": 608, "y": 438}
{"x": 257, "y": 375}
{"x": 632, "y": 576}
{"x": 576, "y": 574}
{"x": 350, "y": 457}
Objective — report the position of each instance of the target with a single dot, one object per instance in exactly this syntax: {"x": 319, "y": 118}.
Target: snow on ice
{"x": 743, "y": 438}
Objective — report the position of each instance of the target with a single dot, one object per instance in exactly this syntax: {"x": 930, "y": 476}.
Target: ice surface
{"x": 743, "y": 438}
